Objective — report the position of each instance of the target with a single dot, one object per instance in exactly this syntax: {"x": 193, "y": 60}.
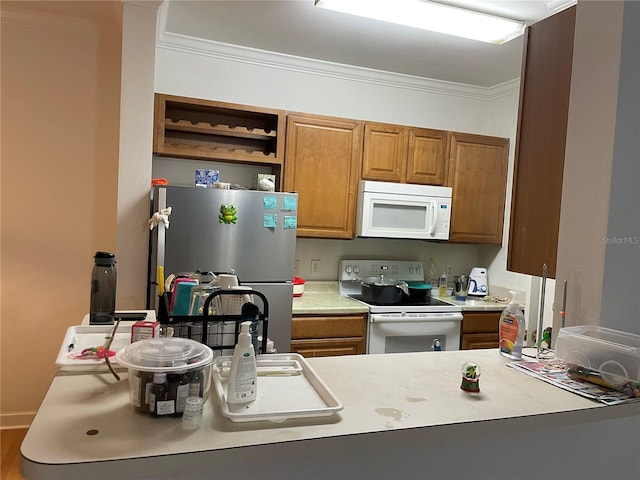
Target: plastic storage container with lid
{"x": 612, "y": 353}
{"x": 186, "y": 363}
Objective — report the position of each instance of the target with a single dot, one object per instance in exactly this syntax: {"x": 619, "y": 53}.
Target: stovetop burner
{"x": 428, "y": 302}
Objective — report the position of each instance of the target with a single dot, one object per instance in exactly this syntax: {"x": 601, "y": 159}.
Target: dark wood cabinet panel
{"x": 540, "y": 144}
{"x": 478, "y": 176}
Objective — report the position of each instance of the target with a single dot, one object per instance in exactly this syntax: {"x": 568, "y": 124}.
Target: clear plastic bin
{"x": 184, "y": 366}
{"x": 615, "y": 354}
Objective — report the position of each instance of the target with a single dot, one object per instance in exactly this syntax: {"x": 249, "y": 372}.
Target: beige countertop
{"x": 86, "y": 428}
{"x": 323, "y": 298}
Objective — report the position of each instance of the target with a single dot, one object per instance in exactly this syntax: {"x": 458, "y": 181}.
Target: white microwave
{"x": 402, "y": 210}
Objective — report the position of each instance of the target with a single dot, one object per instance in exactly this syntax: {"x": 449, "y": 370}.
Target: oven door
{"x": 413, "y": 332}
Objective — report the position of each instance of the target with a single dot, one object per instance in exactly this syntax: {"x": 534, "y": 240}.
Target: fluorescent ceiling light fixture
{"x": 436, "y": 17}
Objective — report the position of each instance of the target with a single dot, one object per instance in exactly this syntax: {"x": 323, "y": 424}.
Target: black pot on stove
{"x": 383, "y": 290}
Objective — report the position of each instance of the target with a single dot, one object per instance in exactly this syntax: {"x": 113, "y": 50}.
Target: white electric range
{"x": 407, "y": 326}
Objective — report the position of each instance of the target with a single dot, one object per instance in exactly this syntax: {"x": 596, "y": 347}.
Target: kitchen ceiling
{"x": 296, "y": 27}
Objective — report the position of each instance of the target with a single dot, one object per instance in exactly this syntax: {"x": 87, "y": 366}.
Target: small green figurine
{"x": 227, "y": 214}
{"x": 470, "y": 375}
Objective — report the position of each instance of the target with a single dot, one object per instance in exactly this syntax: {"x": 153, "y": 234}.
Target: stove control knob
{"x": 418, "y": 269}
{"x": 356, "y": 269}
{"x": 347, "y": 269}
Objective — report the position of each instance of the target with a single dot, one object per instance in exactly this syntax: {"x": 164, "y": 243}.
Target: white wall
{"x": 586, "y": 185}
{"x": 621, "y": 285}
{"x": 136, "y": 137}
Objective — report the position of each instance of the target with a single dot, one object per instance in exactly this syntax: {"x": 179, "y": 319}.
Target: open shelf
{"x": 210, "y": 130}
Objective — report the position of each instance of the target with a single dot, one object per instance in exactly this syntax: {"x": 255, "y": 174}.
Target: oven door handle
{"x": 455, "y": 317}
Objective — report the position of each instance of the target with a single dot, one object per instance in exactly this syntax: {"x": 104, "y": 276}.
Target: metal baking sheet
{"x": 281, "y": 396}
{"x": 79, "y": 337}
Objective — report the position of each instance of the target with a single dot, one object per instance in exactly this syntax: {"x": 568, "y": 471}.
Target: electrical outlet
{"x": 449, "y": 270}
{"x": 315, "y": 267}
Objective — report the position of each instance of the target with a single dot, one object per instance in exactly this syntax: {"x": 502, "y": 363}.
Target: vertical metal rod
{"x": 541, "y": 319}
{"x": 563, "y": 313}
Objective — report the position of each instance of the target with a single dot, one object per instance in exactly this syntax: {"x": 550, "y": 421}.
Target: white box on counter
{"x": 614, "y": 354}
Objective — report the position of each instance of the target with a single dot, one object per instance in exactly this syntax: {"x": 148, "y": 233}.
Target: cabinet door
{"x": 321, "y": 336}
{"x": 480, "y": 330}
{"x": 323, "y": 157}
{"x": 384, "y": 153}
{"x": 478, "y": 176}
{"x": 426, "y": 162}
{"x": 540, "y": 144}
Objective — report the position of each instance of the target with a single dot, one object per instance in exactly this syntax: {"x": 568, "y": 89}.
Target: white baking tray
{"x": 287, "y": 388}
{"x": 79, "y": 337}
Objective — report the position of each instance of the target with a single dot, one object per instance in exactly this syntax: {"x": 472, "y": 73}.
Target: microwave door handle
{"x": 432, "y": 227}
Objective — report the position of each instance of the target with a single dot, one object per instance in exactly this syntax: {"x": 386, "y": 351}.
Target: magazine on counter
{"x": 554, "y": 371}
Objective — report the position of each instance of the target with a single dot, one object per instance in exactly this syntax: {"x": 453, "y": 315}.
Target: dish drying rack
{"x": 219, "y": 331}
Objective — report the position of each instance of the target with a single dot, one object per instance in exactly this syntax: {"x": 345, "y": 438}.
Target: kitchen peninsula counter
{"x": 404, "y": 417}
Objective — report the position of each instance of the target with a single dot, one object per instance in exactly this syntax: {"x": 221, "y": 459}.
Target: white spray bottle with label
{"x": 242, "y": 384}
{"x": 511, "y": 330}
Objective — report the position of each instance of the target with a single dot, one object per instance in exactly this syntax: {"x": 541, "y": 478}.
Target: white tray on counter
{"x": 79, "y": 337}
{"x": 287, "y": 388}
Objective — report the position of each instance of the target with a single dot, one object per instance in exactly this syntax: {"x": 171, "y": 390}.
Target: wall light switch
{"x": 315, "y": 267}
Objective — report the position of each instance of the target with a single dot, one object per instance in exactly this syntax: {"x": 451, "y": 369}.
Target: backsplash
{"x": 328, "y": 253}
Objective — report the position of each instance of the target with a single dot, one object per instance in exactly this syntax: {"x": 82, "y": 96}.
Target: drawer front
{"x": 485, "y": 322}
{"x": 328, "y": 326}
{"x": 329, "y": 347}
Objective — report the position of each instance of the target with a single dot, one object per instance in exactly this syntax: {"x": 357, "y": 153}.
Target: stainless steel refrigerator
{"x": 249, "y": 232}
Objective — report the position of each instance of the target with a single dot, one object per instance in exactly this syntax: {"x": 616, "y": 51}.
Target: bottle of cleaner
{"x": 442, "y": 285}
{"x": 511, "y": 330}
{"x": 243, "y": 378}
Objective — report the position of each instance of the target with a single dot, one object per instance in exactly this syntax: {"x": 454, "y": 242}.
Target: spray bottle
{"x": 243, "y": 378}
{"x": 511, "y": 330}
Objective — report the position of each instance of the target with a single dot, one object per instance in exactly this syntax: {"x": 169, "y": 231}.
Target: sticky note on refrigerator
{"x": 270, "y": 203}
{"x": 270, "y": 220}
{"x": 290, "y": 203}
{"x": 290, "y": 221}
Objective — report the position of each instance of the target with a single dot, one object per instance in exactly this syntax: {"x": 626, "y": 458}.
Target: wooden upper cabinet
{"x": 394, "y": 153}
{"x": 384, "y": 156}
{"x": 323, "y": 160}
{"x": 545, "y": 85}
{"x": 478, "y": 176}
{"x": 426, "y": 163}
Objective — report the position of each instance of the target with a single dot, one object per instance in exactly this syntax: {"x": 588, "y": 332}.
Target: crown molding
{"x": 236, "y": 53}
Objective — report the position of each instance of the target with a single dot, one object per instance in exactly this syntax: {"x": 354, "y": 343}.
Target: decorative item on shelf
{"x": 470, "y": 377}
{"x": 206, "y": 178}
{"x": 264, "y": 182}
